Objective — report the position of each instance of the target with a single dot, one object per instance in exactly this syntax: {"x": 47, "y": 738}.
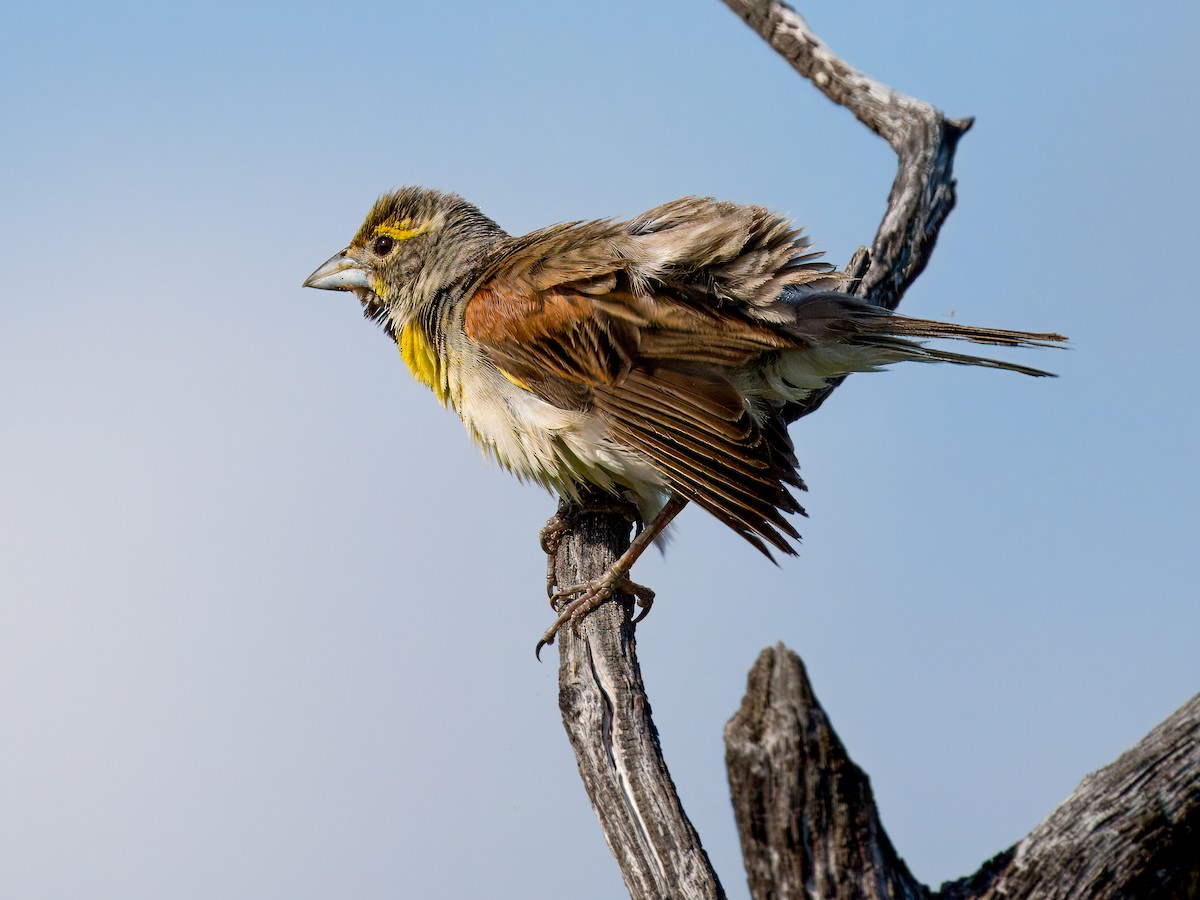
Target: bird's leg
{"x": 615, "y": 578}
{"x": 552, "y": 534}
{"x": 551, "y": 538}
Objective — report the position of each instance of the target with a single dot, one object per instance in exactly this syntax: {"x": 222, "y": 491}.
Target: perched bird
{"x": 659, "y": 358}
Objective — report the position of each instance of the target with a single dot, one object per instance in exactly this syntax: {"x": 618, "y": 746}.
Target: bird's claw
{"x": 551, "y": 536}
{"x": 589, "y": 596}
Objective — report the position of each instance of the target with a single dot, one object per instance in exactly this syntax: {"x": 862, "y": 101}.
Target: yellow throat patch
{"x": 418, "y": 355}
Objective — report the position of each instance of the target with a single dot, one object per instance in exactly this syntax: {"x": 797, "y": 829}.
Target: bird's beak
{"x": 341, "y": 272}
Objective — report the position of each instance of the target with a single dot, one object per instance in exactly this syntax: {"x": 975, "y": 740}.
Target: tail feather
{"x": 902, "y": 326}
{"x": 910, "y": 350}
{"x": 823, "y": 317}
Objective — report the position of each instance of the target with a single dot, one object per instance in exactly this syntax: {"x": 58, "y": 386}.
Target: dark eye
{"x": 383, "y": 245}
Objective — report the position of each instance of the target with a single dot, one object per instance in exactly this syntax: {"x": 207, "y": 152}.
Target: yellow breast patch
{"x": 418, "y": 355}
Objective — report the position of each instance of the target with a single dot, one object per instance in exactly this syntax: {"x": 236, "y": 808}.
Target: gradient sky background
{"x": 266, "y": 619}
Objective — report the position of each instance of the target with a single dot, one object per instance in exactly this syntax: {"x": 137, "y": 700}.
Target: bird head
{"x": 415, "y": 245}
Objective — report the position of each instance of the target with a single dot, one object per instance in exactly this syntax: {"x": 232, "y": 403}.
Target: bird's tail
{"x": 895, "y": 334}
{"x": 825, "y": 318}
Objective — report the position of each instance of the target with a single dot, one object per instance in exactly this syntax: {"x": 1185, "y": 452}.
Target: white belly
{"x": 554, "y": 447}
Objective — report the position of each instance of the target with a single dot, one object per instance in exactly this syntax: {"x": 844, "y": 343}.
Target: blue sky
{"x": 265, "y": 615}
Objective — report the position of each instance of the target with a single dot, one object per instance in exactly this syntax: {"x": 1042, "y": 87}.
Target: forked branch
{"x": 601, "y": 695}
{"x": 924, "y": 139}
{"x": 809, "y": 826}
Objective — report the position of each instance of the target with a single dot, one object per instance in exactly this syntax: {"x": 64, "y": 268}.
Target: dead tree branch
{"x": 809, "y": 826}
{"x": 603, "y": 701}
{"x": 922, "y": 194}
{"x": 1130, "y": 830}
{"x": 806, "y": 816}
{"x": 924, "y": 139}
{"x": 606, "y": 713}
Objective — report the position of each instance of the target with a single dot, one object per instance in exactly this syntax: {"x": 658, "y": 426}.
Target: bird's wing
{"x": 694, "y": 281}
{"x": 697, "y": 429}
{"x": 535, "y": 311}
{"x": 737, "y": 259}
{"x": 572, "y": 315}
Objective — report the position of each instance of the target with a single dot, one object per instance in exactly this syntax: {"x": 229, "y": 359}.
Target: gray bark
{"x": 809, "y": 826}
{"x": 601, "y": 695}
{"x": 1130, "y": 830}
{"x": 606, "y": 713}
{"x": 806, "y": 816}
{"x": 808, "y": 823}
{"x": 923, "y": 138}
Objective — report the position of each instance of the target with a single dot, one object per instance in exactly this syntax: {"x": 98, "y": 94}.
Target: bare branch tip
{"x": 963, "y": 125}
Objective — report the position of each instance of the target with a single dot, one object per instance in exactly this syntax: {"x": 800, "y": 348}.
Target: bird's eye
{"x": 383, "y": 245}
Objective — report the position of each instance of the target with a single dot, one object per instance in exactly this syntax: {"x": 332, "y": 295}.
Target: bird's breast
{"x": 422, "y": 361}
{"x": 536, "y": 440}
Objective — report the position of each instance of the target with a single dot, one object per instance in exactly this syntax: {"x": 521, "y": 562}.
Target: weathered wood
{"x": 601, "y": 694}
{"x": 924, "y": 139}
{"x": 808, "y": 823}
{"x": 809, "y": 826}
{"x": 806, "y": 816}
{"x": 606, "y": 713}
{"x": 1131, "y": 830}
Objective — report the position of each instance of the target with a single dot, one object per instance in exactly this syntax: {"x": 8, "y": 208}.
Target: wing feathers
{"x": 744, "y": 513}
{"x": 714, "y": 453}
{"x": 649, "y": 322}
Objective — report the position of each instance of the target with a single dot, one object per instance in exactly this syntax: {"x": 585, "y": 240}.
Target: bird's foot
{"x": 590, "y": 595}
{"x": 550, "y": 537}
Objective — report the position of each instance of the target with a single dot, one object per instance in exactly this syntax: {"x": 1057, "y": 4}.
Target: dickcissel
{"x": 659, "y": 358}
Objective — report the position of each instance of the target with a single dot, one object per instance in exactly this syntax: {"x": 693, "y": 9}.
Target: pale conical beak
{"x": 341, "y": 272}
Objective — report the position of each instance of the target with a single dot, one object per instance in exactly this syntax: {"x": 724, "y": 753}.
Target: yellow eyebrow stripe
{"x": 402, "y": 231}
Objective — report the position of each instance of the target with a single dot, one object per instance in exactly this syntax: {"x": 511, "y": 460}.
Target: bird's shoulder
{"x": 695, "y": 251}
{"x": 643, "y": 323}
{"x": 694, "y": 280}
{"x": 556, "y": 302}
